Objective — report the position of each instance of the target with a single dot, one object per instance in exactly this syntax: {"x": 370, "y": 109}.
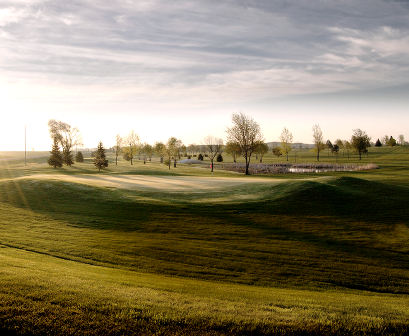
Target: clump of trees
{"x": 67, "y": 137}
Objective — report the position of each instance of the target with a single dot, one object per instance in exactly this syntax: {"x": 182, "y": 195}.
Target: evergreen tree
{"x": 200, "y": 157}
{"x": 79, "y": 157}
{"x": 219, "y": 158}
{"x": 55, "y": 159}
{"x": 100, "y": 160}
{"x": 67, "y": 157}
{"x": 378, "y": 143}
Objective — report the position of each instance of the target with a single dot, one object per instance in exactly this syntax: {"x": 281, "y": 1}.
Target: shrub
{"x": 79, "y": 157}
{"x": 200, "y": 157}
{"x": 219, "y": 158}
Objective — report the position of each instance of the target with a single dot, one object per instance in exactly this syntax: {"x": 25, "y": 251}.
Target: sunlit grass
{"x": 145, "y": 249}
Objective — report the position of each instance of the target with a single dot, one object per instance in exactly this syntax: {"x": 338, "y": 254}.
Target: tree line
{"x": 244, "y": 139}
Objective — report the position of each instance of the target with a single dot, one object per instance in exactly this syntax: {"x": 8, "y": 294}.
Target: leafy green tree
{"x": 171, "y": 150}
{"x": 391, "y": 142}
{"x": 55, "y": 159}
{"x": 277, "y": 151}
{"x": 360, "y": 141}
{"x": 246, "y": 133}
{"x": 100, "y": 160}
{"x": 159, "y": 150}
{"x": 318, "y": 140}
{"x": 378, "y": 143}
{"x": 286, "y": 139}
{"x": 232, "y": 149}
{"x": 261, "y": 150}
{"x": 79, "y": 157}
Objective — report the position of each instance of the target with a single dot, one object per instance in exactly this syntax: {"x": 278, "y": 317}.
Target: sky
{"x": 182, "y": 68}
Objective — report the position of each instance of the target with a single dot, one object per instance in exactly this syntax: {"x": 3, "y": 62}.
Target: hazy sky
{"x": 181, "y": 68}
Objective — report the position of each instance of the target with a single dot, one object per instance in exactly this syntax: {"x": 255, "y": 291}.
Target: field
{"x": 148, "y": 250}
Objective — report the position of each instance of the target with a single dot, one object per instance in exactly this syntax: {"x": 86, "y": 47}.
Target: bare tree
{"x": 286, "y": 139}
{"x": 117, "y": 147}
{"x": 347, "y": 147}
{"x": 131, "y": 144}
{"x": 318, "y": 140}
{"x": 246, "y": 133}
{"x": 212, "y": 146}
{"x": 401, "y": 139}
{"x": 68, "y": 137}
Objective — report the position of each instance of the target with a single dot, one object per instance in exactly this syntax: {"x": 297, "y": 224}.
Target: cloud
{"x": 191, "y": 50}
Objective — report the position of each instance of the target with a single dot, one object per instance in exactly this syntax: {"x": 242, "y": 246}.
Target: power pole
{"x": 25, "y": 145}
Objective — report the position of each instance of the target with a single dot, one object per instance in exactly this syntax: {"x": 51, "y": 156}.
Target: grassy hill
{"x": 146, "y": 250}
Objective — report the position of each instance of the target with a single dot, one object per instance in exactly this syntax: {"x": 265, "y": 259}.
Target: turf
{"x": 147, "y": 250}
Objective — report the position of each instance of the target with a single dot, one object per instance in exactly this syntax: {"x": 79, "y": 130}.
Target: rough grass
{"x": 136, "y": 250}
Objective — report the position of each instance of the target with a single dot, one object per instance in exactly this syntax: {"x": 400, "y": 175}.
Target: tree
{"x": 118, "y": 147}
{"x": 148, "y": 150}
{"x": 171, "y": 149}
{"x": 79, "y": 157}
{"x": 340, "y": 145}
{"x": 401, "y": 139}
{"x": 219, "y": 158}
{"x": 200, "y": 157}
{"x": 212, "y": 146}
{"x": 132, "y": 144}
{"x": 391, "y": 142}
{"x": 347, "y": 146}
{"x": 360, "y": 141}
{"x": 100, "y": 160}
{"x": 246, "y": 133}
{"x": 67, "y": 136}
{"x": 261, "y": 149}
{"x": 232, "y": 149}
{"x": 277, "y": 151}
{"x": 55, "y": 159}
{"x": 159, "y": 149}
{"x": 318, "y": 140}
{"x": 378, "y": 143}
{"x": 286, "y": 139}
{"x": 385, "y": 140}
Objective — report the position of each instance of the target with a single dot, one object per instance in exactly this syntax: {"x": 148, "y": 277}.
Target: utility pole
{"x": 25, "y": 145}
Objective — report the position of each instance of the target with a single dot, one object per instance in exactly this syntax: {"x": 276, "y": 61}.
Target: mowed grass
{"x": 148, "y": 250}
